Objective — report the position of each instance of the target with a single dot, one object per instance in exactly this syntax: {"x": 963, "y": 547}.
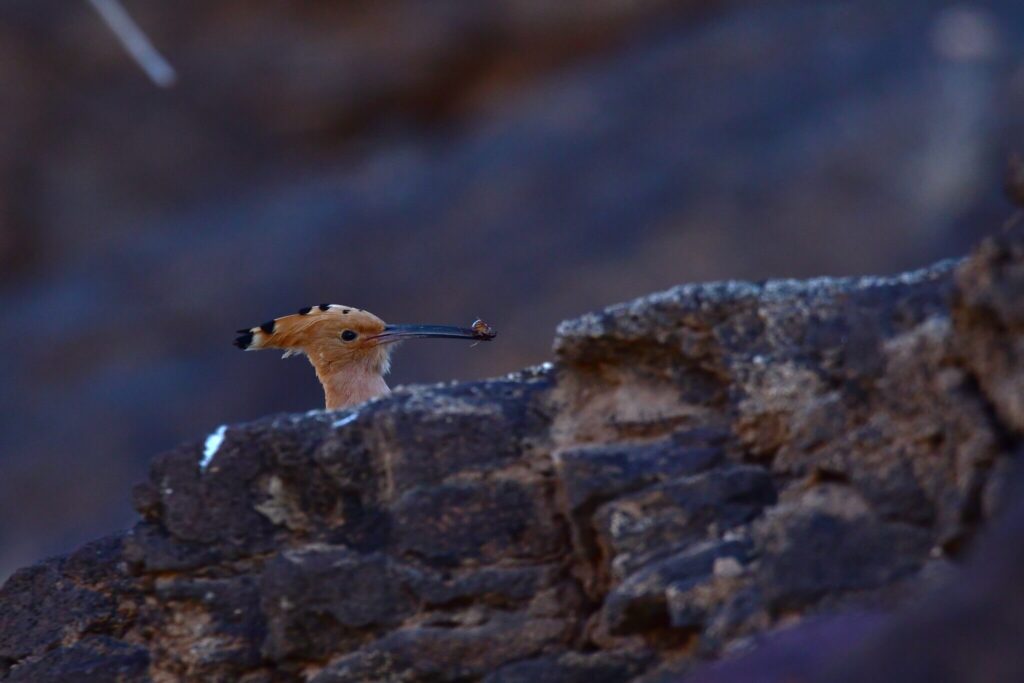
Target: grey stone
{"x": 699, "y": 468}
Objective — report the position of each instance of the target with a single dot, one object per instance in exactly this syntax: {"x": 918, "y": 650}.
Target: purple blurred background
{"x": 519, "y": 160}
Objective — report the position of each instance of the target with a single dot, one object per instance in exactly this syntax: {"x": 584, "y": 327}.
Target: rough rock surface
{"x": 697, "y": 468}
{"x": 521, "y": 160}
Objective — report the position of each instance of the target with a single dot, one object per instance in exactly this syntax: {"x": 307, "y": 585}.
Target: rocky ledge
{"x": 760, "y": 473}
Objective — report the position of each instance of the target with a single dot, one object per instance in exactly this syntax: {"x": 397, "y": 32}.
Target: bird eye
{"x": 348, "y": 335}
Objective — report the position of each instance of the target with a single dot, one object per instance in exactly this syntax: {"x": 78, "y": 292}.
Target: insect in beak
{"x": 480, "y": 331}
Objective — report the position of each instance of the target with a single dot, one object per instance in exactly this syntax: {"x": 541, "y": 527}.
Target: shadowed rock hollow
{"x": 695, "y": 469}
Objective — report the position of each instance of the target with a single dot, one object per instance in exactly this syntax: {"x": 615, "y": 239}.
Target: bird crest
{"x": 349, "y": 348}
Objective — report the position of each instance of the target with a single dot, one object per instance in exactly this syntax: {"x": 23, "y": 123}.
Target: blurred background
{"x": 519, "y": 160}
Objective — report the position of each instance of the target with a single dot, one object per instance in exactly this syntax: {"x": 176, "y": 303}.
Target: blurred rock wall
{"x": 516, "y": 160}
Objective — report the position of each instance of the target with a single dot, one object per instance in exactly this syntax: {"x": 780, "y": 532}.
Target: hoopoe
{"x": 350, "y": 348}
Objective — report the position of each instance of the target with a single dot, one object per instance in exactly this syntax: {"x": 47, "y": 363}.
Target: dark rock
{"x": 221, "y": 617}
{"x": 471, "y": 420}
{"x": 451, "y": 653}
{"x": 640, "y": 602}
{"x": 701, "y": 467}
{"x": 989, "y": 318}
{"x": 964, "y": 632}
{"x": 494, "y": 586}
{"x": 452, "y": 524}
{"x": 149, "y": 547}
{"x": 573, "y": 667}
{"x": 595, "y": 474}
{"x": 49, "y": 604}
{"x": 93, "y": 659}
{"x": 323, "y": 599}
{"x": 640, "y": 527}
{"x": 591, "y": 476}
{"x": 817, "y": 554}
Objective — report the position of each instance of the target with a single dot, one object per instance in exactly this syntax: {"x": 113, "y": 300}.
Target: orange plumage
{"x": 350, "y": 348}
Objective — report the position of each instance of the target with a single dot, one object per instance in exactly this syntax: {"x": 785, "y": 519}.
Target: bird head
{"x": 350, "y": 348}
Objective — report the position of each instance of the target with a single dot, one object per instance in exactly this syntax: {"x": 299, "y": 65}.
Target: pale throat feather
{"x": 355, "y": 382}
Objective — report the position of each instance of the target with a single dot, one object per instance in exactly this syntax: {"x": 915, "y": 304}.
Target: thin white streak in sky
{"x": 136, "y": 42}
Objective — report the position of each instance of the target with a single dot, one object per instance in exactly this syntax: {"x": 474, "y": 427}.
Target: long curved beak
{"x": 395, "y": 333}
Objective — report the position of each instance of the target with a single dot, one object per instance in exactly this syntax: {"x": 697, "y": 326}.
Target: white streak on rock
{"x": 213, "y": 442}
{"x": 348, "y": 419}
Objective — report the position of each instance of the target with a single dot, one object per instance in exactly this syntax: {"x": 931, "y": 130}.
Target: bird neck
{"x": 351, "y": 385}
